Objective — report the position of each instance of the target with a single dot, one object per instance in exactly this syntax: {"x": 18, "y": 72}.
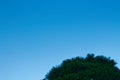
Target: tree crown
{"x": 90, "y": 67}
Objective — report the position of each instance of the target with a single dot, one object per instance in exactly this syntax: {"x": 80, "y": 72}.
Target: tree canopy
{"x": 89, "y": 68}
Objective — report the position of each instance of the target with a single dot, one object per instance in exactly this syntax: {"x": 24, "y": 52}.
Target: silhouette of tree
{"x": 88, "y": 68}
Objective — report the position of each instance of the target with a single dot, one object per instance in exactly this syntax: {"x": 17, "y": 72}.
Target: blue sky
{"x": 38, "y": 34}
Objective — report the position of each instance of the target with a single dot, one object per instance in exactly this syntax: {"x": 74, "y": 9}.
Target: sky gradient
{"x": 36, "y": 35}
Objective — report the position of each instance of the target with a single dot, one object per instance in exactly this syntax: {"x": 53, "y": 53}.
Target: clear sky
{"x": 38, "y": 34}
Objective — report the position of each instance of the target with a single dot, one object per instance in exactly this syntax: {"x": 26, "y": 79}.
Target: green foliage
{"x": 89, "y": 68}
